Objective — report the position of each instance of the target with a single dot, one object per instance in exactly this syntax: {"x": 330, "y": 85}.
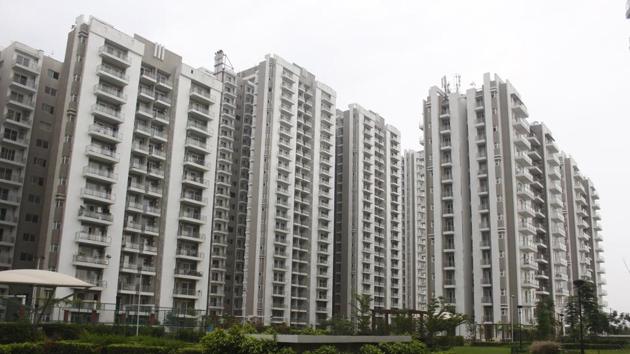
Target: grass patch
{"x": 506, "y": 350}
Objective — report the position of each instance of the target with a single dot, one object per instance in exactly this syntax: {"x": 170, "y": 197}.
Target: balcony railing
{"x": 95, "y": 215}
{"x": 90, "y": 259}
{"x": 117, "y": 53}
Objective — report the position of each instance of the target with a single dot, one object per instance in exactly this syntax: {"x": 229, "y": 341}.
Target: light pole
{"x": 578, "y": 285}
{"x": 520, "y": 329}
{"x": 512, "y": 319}
{"x": 139, "y": 289}
{"x": 561, "y": 325}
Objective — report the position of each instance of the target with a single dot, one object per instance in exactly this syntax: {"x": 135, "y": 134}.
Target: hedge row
{"x": 62, "y": 347}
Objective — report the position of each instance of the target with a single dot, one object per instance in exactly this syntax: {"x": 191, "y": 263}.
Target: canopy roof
{"x": 41, "y": 278}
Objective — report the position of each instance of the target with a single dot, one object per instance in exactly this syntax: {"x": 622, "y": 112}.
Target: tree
{"x": 440, "y": 317}
{"x": 340, "y": 326}
{"x": 594, "y": 320}
{"x": 402, "y": 324}
{"x": 545, "y": 318}
{"x": 619, "y": 322}
{"x": 362, "y": 312}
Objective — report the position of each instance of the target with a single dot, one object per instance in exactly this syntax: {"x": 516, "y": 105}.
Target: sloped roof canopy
{"x": 38, "y": 277}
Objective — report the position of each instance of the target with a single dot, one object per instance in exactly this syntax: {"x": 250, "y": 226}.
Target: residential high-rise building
{"x": 415, "y": 269}
{"x": 288, "y": 256}
{"x": 369, "y": 244}
{"x": 583, "y": 228}
{"x": 138, "y": 150}
{"x": 29, "y": 86}
{"x": 495, "y": 206}
{"x": 553, "y": 274}
{"x": 225, "y": 295}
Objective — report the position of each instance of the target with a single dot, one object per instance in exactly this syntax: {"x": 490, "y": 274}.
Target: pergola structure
{"x": 42, "y": 279}
{"x": 387, "y": 312}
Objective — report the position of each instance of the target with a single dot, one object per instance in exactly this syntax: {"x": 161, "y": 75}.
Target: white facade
{"x": 369, "y": 243}
{"x": 138, "y": 152}
{"x": 416, "y": 270}
{"x": 288, "y": 259}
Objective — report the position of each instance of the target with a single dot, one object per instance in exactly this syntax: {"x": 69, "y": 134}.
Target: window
{"x": 26, "y": 257}
{"x": 28, "y": 237}
{"x": 32, "y": 218}
{"x": 42, "y": 143}
{"x": 39, "y": 161}
{"x": 53, "y": 74}
{"x": 50, "y": 91}
{"x": 48, "y": 108}
{"x": 34, "y": 198}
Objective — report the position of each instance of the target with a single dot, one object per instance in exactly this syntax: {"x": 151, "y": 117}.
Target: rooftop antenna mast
{"x": 458, "y": 82}
{"x": 445, "y": 85}
{"x": 222, "y": 62}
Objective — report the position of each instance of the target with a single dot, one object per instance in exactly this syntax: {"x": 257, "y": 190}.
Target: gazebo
{"x": 42, "y": 279}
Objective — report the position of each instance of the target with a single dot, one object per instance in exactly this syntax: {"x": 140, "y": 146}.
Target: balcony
{"x": 196, "y": 181}
{"x": 188, "y": 273}
{"x": 92, "y": 239}
{"x": 101, "y": 153}
{"x": 105, "y": 133}
{"x": 95, "y": 216}
{"x": 199, "y": 111}
{"x": 28, "y": 65}
{"x": 133, "y": 288}
{"x": 107, "y": 113}
{"x": 198, "y": 127}
{"x": 30, "y": 86}
{"x": 524, "y": 176}
{"x": 201, "y": 95}
{"x": 90, "y": 261}
{"x": 192, "y": 198}
{"x": 196, "y": 162}
{"x": 191, "y": 254}
{"x": 112, "y": 74}
{"x": 191, "y": 236}
{"x": 114, "y": 55}
{"x": 162, "y": 100}
{"x": 110, "y": 94}
{"x": 21, "y": 101}
{"x": 185, "y": 293}
{"x": 196, "y": 144}
{"x": 97, "y": 195}
{"x": 192, "y": 217}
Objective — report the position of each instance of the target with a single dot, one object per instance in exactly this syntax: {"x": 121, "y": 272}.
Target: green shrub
{"x": 25, "y": 348}
{"x": 187, "y": 335}
{"x": 67, "y": 347}
{"x": 103, "y": 340}
{"x": 370, "y": 349}
{"x": 448, "y": 341}
{"x": 16, "y": 332}
{"x": 544, "y": 347}
{"x": 136, "y": 349}
{"x": 58, "y": 331}
{"x": 190, "y": 350}
{"x": 219, "y": 341}
{"x": 285, "y": 350}
{"x": 326, "y": 349}
{"x": 594, "y": 346}
{"x": 413, "y": 347}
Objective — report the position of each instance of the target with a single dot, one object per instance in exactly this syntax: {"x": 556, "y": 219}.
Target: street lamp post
{"x": 520, "y": 329}
{"x": 512, "y": 319}
{"x": 578, "y": 285}
{"x": 561, "y": 325}
{"x": 140, "y": 262}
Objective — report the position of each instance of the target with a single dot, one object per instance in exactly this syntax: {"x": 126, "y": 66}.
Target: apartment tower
{"x": 136, "y": 157}
{"x": 486, "y": 185}
{"x": 369, "y": 244}
{"x": 583, "y": 228}
{"x": 225, "y": 294}
{"x": 29, "y": 86}
{"x": 415, "y": 265}
{"x": 288, "y": 256}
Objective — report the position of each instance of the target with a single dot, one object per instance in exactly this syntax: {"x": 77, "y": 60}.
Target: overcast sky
{"x": 569, "y": 59}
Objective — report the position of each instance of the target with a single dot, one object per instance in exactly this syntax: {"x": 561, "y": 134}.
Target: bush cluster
{"x": 544, "y": 347}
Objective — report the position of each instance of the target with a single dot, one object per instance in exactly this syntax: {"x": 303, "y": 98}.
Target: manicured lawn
{"x": 481, "y": 350}
{"x": 506, "y": 350}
